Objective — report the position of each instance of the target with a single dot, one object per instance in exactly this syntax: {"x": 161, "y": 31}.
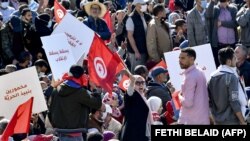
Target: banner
{"x": 204, "y": 60}
{"x": 17, "y": 88}
{"x": 79, "y": 36}
{"x": 59, "y": 54}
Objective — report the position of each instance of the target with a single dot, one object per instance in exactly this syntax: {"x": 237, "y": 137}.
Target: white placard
{"x": 59, "y": 54}
{"x": 17, "y": 88}
{"x": 79, "y": 36}
{"x": 204, "y": 60}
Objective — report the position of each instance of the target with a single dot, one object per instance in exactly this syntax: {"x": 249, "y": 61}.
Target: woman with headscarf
{"x": 155, "y": 105}
{"x": 138, "y": 119}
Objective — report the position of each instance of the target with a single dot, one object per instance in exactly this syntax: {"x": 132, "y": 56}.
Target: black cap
{"x": 76, "y": 71}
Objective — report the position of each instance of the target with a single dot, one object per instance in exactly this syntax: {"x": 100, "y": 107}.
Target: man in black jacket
{"x": 71, "y": 105}
{"x": 157, "y": 87}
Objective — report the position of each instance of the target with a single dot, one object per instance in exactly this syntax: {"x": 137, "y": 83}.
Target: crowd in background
{"x": 140, "y": 32}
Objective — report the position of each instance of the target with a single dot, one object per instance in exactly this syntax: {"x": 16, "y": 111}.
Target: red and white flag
{"x": 102, "y": 64}
{"x": 59, "y": 11}
{"x": 20, "y": 122}
{"x": 107, "y": 19}
{"x": 124, "y": 83}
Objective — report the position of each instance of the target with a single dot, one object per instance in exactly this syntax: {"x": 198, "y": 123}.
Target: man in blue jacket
{"x": 96, "y": 11}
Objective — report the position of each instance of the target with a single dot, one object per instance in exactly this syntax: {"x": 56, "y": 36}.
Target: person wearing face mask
{"x": 197, "y": 33}
{"x": 110, "y": 124}
{"x": 96, "y": 119}
{"x": 227, "y": 103}
{"x": 158, "y": 35}
{"x": 96, "y": 11}
{"x": 6, "y": 10}
{"x": 136, "y": 27}
{"x": 223, "y": 29}
{"x": 138, "y": 118}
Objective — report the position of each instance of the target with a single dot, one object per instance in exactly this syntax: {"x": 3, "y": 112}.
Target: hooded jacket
{"x": 70, "y": 106}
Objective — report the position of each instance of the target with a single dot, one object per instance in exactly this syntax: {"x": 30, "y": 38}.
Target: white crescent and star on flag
{"x": 100, "y": 67}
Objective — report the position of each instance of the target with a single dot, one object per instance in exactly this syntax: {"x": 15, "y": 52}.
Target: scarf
{"x": 82, "y": 81}
{"x": 242, "y": 94}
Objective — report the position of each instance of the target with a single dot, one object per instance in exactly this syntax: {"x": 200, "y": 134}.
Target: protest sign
{"x": 59, "y": 54}
{"x": 79, "y": 36}
{"x": 17, "y": 88}
{"x": 204, "y": 60}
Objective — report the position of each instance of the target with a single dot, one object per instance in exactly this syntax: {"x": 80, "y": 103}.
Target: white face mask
{"x": 4, "y": 4}
{"x": 49, "y": 24}
{"x": 144, "y": 8}
{"x": 104, "y": 115}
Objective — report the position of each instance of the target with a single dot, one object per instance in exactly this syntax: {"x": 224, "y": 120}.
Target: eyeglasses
{"x": 138, "y": 83}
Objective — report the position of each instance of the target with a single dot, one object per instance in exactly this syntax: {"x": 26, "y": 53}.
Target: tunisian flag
{"x": 59, "y": 11}
{"x": 107, "y": 19}
{"x": 124, "y": 83}
{"x": 103, "y": 64}
{"x": 20, "y": 122}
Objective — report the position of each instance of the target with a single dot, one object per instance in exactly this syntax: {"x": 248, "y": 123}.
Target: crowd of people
{"x": 141, "y": 31}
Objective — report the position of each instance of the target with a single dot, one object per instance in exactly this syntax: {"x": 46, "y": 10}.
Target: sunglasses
{"x": 138, "y": 83}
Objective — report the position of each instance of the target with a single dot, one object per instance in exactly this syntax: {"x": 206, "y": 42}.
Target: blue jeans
{"x": 67, "y": 138}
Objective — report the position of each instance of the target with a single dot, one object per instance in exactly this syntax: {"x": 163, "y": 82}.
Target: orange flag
{"x": 20, "y": 122}
{"x": 102, "y": 64}
{"x": 59, "y": 11}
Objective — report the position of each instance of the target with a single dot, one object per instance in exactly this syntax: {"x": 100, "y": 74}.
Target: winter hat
{"x": 45, "y": 18}
{"x": 108, "y": 135}
{"x": 83, "y": 3}
{"x": 76, "y": 71}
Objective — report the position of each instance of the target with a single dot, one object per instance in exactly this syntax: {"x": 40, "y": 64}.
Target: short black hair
{"x": 24, "y": 56}
{"x": 190, "y": 52}
{"x": 225, "y": 54}
{"x": 25, "y": 10}
{"x": 66, "y": 4}
{"x": 179, "y": 23}
{"x": 41, "y": 63}
{"x": 21, "y": 7}
{"x": 157, "y": 9}
{"x": 140, "y": 69}
{"x": 94, "y": 136}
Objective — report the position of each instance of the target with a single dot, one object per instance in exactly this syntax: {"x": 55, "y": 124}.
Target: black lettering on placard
{"x": 213, "y": 133}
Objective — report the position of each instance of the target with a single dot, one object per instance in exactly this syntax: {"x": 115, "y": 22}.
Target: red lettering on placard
{"x": 21, "y": 90}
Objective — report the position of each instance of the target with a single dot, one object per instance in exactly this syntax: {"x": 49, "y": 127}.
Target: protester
{"x": 72, "y": 101}
{"x": 155, "y": 105}
{"x": 179, "y": 34}
{"x": 224, "y": 26}
{"x": 6, "y": 10}
{"x": 196, "y": 24}
{"x": 158, "y": 88}
{"x": 226, "y": 107}
{"x": 110, "y": 124}
{"x": 96, "y": 11}
{"x": 96, "y": 119}
{"x": 194, "y": 94}
{"x": 242, "y": 64}
{"x": 136, "y": 26}
{"x": 137, "y": 113}
{"x": 20, "y": 9}
{"x": 243, "y": 20}
{"x": 158, "y": 35}
{"x": 41, "y": 66}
